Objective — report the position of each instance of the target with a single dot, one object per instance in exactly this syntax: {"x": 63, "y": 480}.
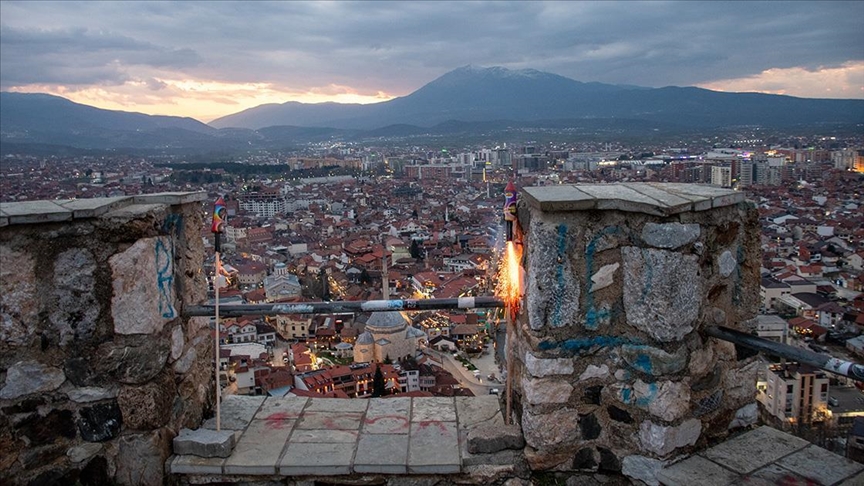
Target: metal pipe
{"x": 817, "y": 360}
{"x": 237, "y": 310}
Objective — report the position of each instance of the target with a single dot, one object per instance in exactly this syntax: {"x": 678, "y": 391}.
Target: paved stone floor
{"x": 763, "y": 457}
{"x": 300, "y": 436}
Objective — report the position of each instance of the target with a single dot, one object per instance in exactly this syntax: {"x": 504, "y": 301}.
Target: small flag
{"x": 220, "y": 215}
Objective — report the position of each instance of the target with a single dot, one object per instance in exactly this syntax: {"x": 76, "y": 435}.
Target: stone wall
{"x": 98, "y": 370}
{"x": 612, "y": 372}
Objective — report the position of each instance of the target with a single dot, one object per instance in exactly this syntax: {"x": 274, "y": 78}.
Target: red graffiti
{"x": 277, "y": 420}
{"x": 403, "y": 421}
{"x": 785, "y": 480}
{"x": 437, "y": 423}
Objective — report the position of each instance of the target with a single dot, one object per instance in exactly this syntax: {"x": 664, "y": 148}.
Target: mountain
{"x": 476, "y": 94}
{"x": 47, "y": 119}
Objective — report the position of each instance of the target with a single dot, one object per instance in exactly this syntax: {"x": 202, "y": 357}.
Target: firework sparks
{"x": 509, "y": 287}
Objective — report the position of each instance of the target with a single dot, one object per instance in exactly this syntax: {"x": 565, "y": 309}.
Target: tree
{"x": 325, "y": 285}
{"x": 364, "y": 277}
{"x": 379, "y": 388}
{"x": 415, "y": 250}
{"x": 387, "y": 360}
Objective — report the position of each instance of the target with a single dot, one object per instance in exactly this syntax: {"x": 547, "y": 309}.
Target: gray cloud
{"x": 397, "y": 47}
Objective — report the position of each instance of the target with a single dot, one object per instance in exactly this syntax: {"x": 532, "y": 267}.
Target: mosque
{"x": 387, "y": 334}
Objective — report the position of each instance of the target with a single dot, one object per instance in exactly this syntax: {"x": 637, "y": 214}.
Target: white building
{"x": 793, "y": 392}
{"x": 772, "y": 327}
{"x": 721, "y": 176}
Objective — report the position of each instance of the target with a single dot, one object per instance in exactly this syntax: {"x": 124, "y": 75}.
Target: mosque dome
{"x": 414, "y": 333}
{"x": 365, "y": 338}
{"x": 387, "y": 321}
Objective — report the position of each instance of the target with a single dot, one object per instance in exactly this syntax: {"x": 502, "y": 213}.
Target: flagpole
{"x": 217, "y": 227}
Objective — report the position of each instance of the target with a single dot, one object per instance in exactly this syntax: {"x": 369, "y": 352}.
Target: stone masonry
{"x": 612, "y": 371}
{"x": 98, "y": 370}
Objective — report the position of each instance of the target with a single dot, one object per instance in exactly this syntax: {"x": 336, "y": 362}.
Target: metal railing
{"x": 817, "y": 360}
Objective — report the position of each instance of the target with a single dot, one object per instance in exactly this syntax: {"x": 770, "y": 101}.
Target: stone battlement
{"x": 612, "y": 372}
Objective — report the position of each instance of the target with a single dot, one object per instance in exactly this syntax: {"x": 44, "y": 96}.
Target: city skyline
{"x": 210, "y": 59}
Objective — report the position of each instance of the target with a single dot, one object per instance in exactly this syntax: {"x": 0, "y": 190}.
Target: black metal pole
{"x": 237, "y": 310}
{"x": 817, "y": 360}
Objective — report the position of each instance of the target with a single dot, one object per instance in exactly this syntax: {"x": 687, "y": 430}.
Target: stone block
{"x": 75, "y": 308}
{"x": 189, "y": 464}
{"x": 28, "y": 212}
{"x": 593, "y": 371}
{"x": 287, "y": 408}
{"x": 89, "y": 394}
{"x": 550, "y": 430}
{"x": 141, "y": 458}
{"x": 17, "y": 295}
{"x": 144, "y": 288}
{"x": 92, "y": 208}
{"x": 30, "y": 377}
{"x": 552, "y": 295}
{"x": 558, "y": 198}
{"x": 133, "y": 360}
{"x": 337, "y": 405}
{"x": 541, "y": 367}
{"x": 100, "y": 422}
{"x": 547, "y": 390}
{"x": 670, "y": 236}
{"x": 487, "y": 439}
{"x": 745, "y": 416}
{"x": 603, "y": 277}
{"x": 661, "y": 439}
{"x": 82, "y": 452}
{"x": 204, "y": 442}
{"x": 726, "y": 263}
{"x": 662, "y": 292}
{"x": 330, "y": 421}
{"x": 654, "y": 361}
{"x": 148, "y": 406}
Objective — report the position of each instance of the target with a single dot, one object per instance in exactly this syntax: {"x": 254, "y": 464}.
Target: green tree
{"x": 415, "y": 250}
{"x": 387, "y": 360}
{"x": 379, "y": 388}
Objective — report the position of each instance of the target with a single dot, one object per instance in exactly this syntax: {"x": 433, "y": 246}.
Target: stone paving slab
{"x": 391, "y": 416}
{"x": 25, "y": 212}
{"x": 696, "y": 470}
{"x": 748, "y": 452}
{"x": 442, "y": 409}
{"x": 236, "y": 412}
{"x": 661, "y": 199}
{"x": 773, "y": 475}
{"x": 285, "y": 408}
{"x": 470, "y": 415}
{"x": 856, "y": 480}
{"x": 91, "y": 208}
{"x": 260, "y": 448}
{"x": 433, "y": 448}
{"x": 382, "y": 453}
{"x": 820, "y": 465}
{"x": 319, "y": 459}
{"x": 330, "y": 421}
{"x": 314, "y": 435}
{"x": 337, "y": 405}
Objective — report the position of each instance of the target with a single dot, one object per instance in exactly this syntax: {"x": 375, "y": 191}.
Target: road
{"x": 466, "y": 378}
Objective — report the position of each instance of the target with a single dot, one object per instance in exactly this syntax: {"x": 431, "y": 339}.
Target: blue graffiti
{"x": 172, "y": 224}
{"x": 580, "y": 345}
{"x": 165, "y": 279}
{"x": 559, "y": 275}
{"x": 594, "y": 317}
{"x": 643, "y": 363}
{"x": 643, "y": 401}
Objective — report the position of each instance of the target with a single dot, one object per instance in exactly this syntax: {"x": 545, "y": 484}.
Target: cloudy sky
{"x": 209, "y": 59}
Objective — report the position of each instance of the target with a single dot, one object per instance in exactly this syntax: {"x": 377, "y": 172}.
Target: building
{"x": 280, "y": 287}
{"x": 771, "y": 290}
{"x": 794, "y": 393}
{"x": 721, "y": 176}
{"x": 387, "y": 335}
{"x": 772, "y": 327}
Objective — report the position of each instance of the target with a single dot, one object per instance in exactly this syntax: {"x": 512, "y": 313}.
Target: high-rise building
{"x": 793, "y": 392}
{"x": 721, "y": 176}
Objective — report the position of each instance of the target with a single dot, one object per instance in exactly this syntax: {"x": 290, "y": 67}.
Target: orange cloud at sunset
{"x": 202, "y": 100}
{"x": 846, "y": 81}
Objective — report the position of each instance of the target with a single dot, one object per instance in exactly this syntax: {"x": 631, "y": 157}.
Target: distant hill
{"x": 467, "y": 104}
{"x": 471, "y": 94}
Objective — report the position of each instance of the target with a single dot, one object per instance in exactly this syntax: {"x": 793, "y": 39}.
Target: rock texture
{"x": 99, "y": 367}
{"x": 617, "y": 375}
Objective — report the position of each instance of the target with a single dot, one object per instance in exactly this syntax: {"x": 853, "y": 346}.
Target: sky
{"x": 210, "y": 59}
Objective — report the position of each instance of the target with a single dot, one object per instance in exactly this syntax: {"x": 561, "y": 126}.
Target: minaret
{"x": 446, "y": 213}
{"x": 385, "y": 277}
